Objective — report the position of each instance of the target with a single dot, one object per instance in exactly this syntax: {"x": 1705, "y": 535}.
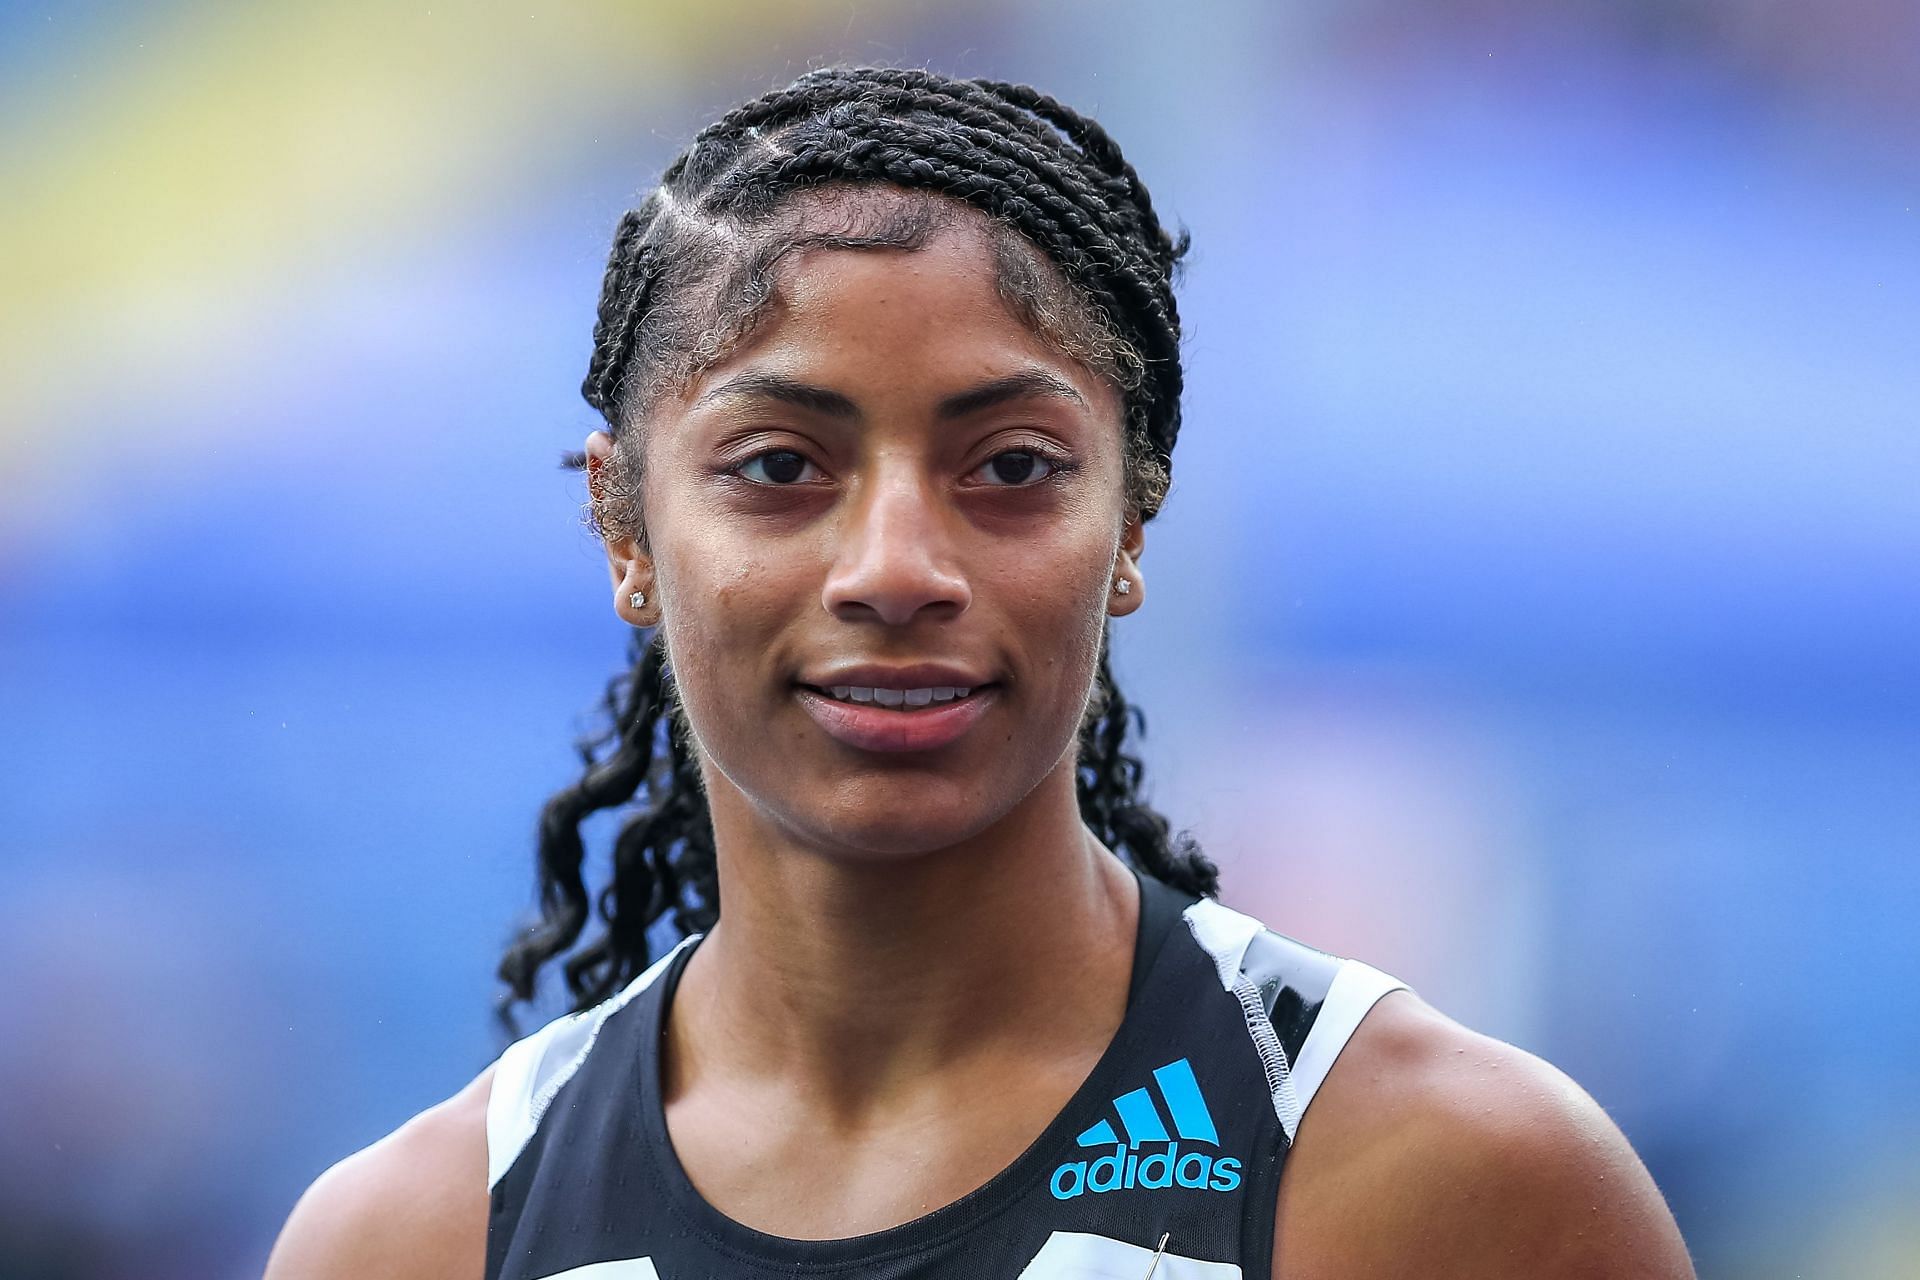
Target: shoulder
{"x": 413, "y": 1205}
{"x": 1435, "y": 1147}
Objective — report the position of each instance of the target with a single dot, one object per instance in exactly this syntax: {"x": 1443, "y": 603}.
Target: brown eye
{"x": 1016, "y": 468}
{"x": 780, "y": 466}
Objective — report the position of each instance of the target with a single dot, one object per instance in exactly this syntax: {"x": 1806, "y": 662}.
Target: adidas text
{"x": 1123, "y": 1170}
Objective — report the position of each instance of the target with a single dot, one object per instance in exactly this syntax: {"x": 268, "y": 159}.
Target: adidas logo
{"x": 1129, "y": 1166}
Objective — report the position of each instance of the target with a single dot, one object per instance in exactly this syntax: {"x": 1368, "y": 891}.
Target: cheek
{"x": 1055, "y": 607}
{"x": 718, "y": 609}
{"x": 728, "y": 608}
{"x": 719, "y": 572}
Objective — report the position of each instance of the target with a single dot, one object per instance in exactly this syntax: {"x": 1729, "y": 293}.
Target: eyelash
{"x": 1058, "y": 467}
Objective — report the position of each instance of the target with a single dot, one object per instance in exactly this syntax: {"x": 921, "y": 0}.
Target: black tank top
{"x": 1179, "y": 1134}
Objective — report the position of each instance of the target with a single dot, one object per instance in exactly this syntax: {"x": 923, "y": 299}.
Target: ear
{"x": 629, "y": 568}
{"x": 1126, "y": 568}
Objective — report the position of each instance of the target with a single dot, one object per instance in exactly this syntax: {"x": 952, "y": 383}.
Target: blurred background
{"x": 1535, "y": 614}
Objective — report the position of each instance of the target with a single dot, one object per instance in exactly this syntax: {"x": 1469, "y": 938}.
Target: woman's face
{"x": 893, "y": 471}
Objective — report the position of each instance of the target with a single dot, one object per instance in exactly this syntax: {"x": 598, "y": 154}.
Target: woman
{"x": 890, "y": 370}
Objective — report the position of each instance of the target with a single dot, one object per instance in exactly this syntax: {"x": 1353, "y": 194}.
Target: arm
{"x": 413, "y": 1206}
{"x": 1434, "y": 1149}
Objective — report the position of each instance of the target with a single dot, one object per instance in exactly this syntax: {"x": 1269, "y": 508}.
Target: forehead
{"x": 918, "y": 309}
{"x": 897, "y": 305}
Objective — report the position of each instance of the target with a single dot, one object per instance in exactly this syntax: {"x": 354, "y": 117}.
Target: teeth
{"x": 899, "y": 697}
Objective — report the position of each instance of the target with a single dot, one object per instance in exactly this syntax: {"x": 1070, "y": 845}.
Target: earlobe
{"x": 633, "y": 595}
{"x": 1128, "y": 589}
{"x": 630, "y": 571}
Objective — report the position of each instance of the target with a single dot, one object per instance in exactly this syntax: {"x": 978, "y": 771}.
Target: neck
{"x": 860, "y": 975}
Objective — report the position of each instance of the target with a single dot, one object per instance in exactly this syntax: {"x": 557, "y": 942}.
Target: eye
{"x": 1015, "y": 468}
{"x": 782, "y": 467}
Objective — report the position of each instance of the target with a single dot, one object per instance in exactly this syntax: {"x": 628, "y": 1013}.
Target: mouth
{"x": 902, "y": 700}
{"x": 894, "y": 720}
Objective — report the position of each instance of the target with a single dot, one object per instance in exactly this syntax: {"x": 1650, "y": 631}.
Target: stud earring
{"x": 1122, "y": 586}
{"x": 637, "y": 599}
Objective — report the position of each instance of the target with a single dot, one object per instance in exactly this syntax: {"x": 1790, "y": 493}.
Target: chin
{"x": 894, "y": 828}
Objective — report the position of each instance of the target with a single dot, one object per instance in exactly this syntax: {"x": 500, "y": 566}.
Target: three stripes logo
{"x": 1130, "y": 1164}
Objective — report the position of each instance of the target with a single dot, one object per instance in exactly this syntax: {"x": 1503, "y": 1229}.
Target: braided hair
{"x": 895, "y": 155}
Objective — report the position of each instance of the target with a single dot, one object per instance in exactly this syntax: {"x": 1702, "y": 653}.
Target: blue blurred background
{"x": 1535, "y": 614}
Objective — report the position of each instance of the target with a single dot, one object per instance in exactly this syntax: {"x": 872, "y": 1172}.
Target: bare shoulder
{"x": 1432, "y": 1148}
{"x": 414, "y": 1204}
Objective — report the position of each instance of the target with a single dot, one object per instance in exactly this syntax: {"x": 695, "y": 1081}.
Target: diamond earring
{"x": 637, "y": 599}
{"x": 1122, "y": 586}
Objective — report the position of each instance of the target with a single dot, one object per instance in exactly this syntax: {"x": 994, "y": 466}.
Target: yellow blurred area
{"x": 163, "y": 193}
{"x": 1877, "y": 1237}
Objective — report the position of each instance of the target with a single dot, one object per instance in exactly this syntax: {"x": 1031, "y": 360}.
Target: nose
{"x": 895, "y": 554}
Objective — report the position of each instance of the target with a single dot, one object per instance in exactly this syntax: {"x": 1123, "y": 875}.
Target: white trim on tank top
{"x": 1079, "y": 1255}
{"x": 1356, "y": 988}
{"x": 1225, "y": 934}
{"x": 618, "y": 1269}
{"x": 531, "y": 1071}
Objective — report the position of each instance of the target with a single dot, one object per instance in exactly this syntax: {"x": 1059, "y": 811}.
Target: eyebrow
{"x": 832, "y": 404}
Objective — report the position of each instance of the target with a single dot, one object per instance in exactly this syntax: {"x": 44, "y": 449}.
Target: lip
{"x": 872, "y": 727}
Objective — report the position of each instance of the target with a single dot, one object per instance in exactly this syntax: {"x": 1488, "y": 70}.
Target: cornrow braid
{"x": 1080, "y": 256}
{"x": 623, "y": 300}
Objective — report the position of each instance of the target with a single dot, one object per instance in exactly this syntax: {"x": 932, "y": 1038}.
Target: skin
{"x": 907, "y": 933}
